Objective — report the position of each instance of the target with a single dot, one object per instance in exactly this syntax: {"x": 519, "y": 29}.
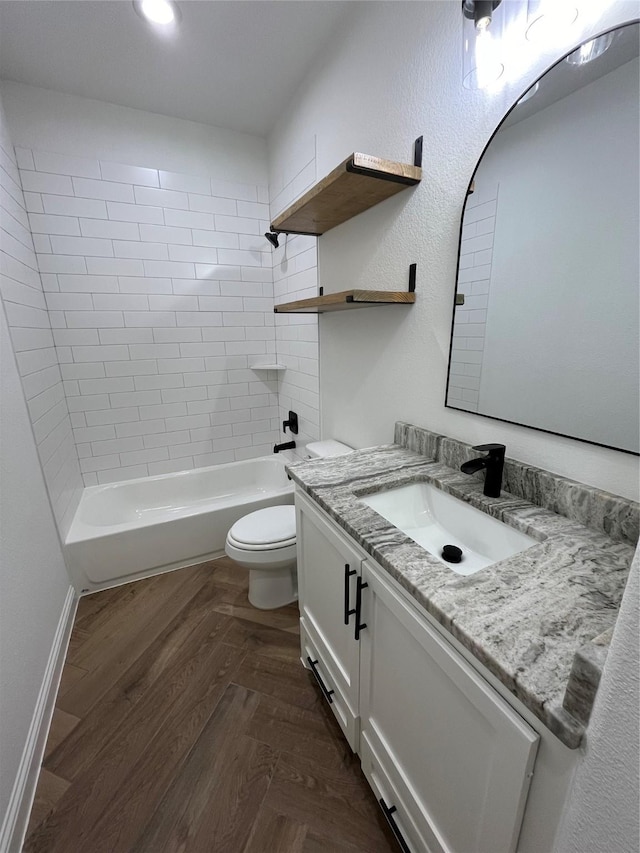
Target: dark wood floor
{"x": 185, "y": 722}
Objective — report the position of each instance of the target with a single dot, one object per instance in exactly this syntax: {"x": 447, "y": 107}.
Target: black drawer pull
{"x": 359, "y": 587}
{"x": 348, "y": 572}
{"x": 388, "y": 813}
{"x": 326, "y": 693}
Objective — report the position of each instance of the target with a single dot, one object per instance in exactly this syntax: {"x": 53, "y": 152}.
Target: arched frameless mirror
{"x": 546, "y": 320}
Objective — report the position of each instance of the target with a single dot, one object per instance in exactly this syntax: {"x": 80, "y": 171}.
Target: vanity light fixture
{"x": 161, "y": 13}
{"x": 591, "y": 50}
{"x": 548, "y": 19}
{"x": 480, "y": 12}
{"x": 483, "y": 22}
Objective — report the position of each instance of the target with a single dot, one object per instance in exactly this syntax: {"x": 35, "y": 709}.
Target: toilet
{"x": 265, "y": 543}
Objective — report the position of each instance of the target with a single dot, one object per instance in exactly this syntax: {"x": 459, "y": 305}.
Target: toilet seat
{"x": 269, "y": 546}
{"x": 265, "y": 529}
{"x": 266, "y": 561}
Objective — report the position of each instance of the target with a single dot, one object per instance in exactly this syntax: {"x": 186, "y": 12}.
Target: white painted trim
{"x": 16, "y": 819}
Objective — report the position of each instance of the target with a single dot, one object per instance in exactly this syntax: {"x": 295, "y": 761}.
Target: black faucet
{"x": 493, "y": 463}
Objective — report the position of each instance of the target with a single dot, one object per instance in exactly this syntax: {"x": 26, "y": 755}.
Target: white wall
{"x": 22, "y": 292}
{"x": 565, "y": 263}
{"x": 603, "y": 811}
{"x": 392, "y": 74}
{"x": 33, "y": 577}
{"x": 158, "y": 282}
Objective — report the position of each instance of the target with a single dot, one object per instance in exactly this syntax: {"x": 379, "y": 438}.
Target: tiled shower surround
{"x": 295, "y": 276}
{"x": 159, "y": 289}
{"x": 33, "y": 343}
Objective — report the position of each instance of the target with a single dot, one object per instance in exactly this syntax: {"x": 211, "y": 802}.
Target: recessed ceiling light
{"x": 160, "y": 12}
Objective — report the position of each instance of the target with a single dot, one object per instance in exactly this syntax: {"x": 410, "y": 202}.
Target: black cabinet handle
{"x": 348, "y": 572}
{"x": 388, "y": 813}
{"x": 326, "y": 693}
{"x": 359, "y": 587}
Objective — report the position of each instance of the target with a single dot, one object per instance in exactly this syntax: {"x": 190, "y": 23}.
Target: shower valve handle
{"x": 291, "y": 422}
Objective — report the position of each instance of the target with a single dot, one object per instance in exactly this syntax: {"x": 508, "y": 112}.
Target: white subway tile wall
{"x": 160, "y": 292}
{"x": 474, "y": 279}
{"x": 21, "y": 288}
{"x": 295, "y": 276}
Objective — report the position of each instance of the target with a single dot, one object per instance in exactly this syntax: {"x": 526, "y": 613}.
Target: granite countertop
{"x": 539, "y": 621}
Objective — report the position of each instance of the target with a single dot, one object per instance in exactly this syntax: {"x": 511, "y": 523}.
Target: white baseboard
{"x": 14, "y": 826}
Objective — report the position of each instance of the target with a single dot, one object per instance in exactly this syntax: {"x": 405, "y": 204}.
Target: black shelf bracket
{"x": 380, "y": 176}
{"x": 417, "y": 152}
{"x": 412, "y": 278}
{"x": 295, "y": 233}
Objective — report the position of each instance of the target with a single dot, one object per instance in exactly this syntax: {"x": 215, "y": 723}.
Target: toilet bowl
{"x": 265, "y": 543}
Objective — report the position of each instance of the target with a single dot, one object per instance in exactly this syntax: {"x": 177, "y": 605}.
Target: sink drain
{"x": 452, "y": 554}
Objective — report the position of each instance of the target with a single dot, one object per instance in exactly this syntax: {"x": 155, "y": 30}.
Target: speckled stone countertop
{"x": 539, "y": 621}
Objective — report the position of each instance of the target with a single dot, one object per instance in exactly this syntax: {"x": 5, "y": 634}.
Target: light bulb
{"x": 489, "y": 67}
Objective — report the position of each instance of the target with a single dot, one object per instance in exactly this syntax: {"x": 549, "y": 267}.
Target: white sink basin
{"x": 433, "y": 519}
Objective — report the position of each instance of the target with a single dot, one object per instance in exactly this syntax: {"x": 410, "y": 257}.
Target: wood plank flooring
{"x": 185, "y": 723}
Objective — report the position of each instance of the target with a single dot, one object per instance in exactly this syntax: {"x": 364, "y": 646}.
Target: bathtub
{"x": 136, "y": 528}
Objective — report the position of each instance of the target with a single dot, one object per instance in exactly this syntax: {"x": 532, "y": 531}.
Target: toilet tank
{"x": 329, "y": 447}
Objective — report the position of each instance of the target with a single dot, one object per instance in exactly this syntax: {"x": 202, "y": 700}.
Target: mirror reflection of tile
{"x": 474, "y": 281}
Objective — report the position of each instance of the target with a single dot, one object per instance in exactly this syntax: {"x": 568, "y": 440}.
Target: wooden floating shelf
{"x": 345, "y": 300}
{"x": 358, "y": 183}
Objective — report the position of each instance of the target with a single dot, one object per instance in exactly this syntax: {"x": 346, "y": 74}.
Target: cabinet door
{"x": 328, "y": 567}
{"x": 459, "y": 757}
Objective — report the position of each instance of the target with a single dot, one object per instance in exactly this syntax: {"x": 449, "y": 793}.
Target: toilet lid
{"x": 266, "y": 526}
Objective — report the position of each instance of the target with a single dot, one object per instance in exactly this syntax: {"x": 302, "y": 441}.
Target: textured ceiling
{"x": 229, "y": 63}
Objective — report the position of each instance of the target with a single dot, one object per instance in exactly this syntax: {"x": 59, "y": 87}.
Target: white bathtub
{"x": 136, "y": 528}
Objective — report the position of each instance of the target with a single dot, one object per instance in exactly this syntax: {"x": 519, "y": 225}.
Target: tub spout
{"x": 288, "y": 445}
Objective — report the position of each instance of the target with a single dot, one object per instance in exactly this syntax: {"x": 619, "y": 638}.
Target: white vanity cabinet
{"x": 447, "y": 757}
{"x": 436, "y": 741}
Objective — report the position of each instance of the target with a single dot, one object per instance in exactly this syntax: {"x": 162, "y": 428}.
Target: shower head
{"x": 272, "y": 237}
